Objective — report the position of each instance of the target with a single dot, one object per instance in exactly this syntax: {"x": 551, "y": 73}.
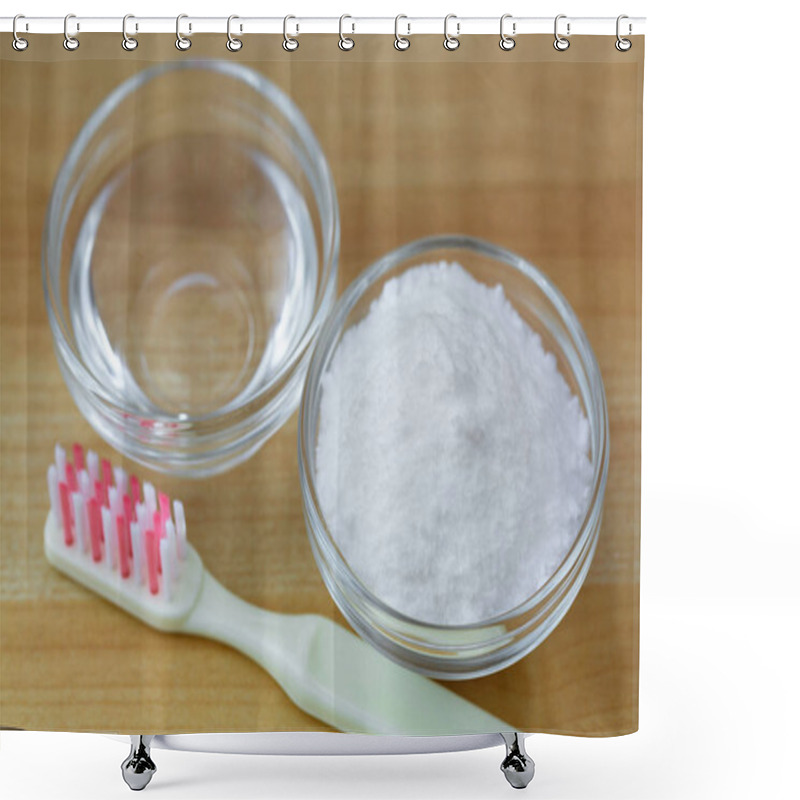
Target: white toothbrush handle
{"x": 332, "y": 674}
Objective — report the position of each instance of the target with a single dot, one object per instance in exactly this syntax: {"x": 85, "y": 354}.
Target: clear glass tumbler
{"x": 189, "y": 257}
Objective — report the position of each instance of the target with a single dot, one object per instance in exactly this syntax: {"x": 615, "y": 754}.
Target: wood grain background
{"x": 536, "y": 150}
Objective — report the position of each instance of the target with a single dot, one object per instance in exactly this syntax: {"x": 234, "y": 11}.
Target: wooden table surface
{"x": 536, "y": 150}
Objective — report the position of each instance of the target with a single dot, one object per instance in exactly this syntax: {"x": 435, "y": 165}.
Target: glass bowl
{"x": 470, "y": 650}
{"x": 189, "y": 257}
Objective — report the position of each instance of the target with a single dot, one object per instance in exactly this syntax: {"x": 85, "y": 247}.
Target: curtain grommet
{"x": 233, "y": 44}
{"x": 290, "y": 43}
{"x": 507, "y": 42}
{"x": 71, "y": 42}
{"x": 129, "y": 43}
{"x": 346, "y": 43}
{"x": 560, "y": 42}
{"x": 622, "y": 44}
{"x": 182, "y": 42}
{"x": 401, "y": 43}
{"x": 451, "y": 42}
{"x": 17, "y": 42}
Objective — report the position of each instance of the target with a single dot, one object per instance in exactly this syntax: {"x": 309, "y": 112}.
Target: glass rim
{"x": 52, "y": 235}
{"x": 326, "y": 344}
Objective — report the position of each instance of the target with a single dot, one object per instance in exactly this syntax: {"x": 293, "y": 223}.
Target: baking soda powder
{"x": 453, "y": 463}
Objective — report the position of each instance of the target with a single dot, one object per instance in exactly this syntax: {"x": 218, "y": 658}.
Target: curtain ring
{"x": 18, "y": 43}
{"x": 507, "y": 42}
{"x": 70, "y": 42}
{"x": 233, "y": 44}
{"x": 451, "y": 42}
{"x": 182, "y": 42}
{"x": 401, "y": 42}
{"x": 623, "y": 45}
{"x": 345, "y": 42}
{"x": 290, "y": 43}
{"x": 560, "y": 43}
{"x": 128, "y": 42}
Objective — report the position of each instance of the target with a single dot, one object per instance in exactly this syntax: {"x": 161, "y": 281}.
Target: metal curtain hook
{"x": 451, "y": 42}
{"x": 70, "y": 42}
{"x": 18, "y": 43}
{"x": 128, "y": 42}
{"x": 233, "y": 44}
{"x": 182, "y": 42}
{"x": 623, "y": 45}
{"x": 560, "y": 42}
{"x": 345, "y": 42}
{"x": 506, "y": 41}
{"x": 401, "y": 42}
{"x": 290, "y": 43}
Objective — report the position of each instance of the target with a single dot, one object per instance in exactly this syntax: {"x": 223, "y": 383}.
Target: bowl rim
{"x": 326, "y": 343}
{"x": 52, "y": 235}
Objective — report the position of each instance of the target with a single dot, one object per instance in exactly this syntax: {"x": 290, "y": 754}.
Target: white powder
{"x": 452, "y": 457}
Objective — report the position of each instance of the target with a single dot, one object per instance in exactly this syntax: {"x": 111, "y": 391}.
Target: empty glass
{"x": 190, "y": 256}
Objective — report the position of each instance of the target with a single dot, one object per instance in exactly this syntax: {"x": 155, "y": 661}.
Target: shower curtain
{"x": 533, "y": 149}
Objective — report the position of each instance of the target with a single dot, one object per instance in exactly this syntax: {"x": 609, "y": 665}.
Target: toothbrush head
{"x": 121, "y": 539}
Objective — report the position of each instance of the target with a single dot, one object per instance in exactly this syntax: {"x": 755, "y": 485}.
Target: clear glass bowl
{"x": 189, "y": 258}
{"x": 460, "y": 651}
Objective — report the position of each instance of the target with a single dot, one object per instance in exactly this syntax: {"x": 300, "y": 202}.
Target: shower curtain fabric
{"x": 536, "y": 150}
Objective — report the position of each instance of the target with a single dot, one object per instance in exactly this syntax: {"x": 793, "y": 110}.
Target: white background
{"x": 720, "y": 602}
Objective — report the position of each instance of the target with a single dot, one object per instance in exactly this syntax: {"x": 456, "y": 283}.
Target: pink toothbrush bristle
{"x": 136, "y": 547}
{"x": 128, "y": 539}
{"x": 123, "y": 540}
{"x": 158, "y": 529}
{"x": 77, "y": 457}
{"x": 166, "y": 561}
{"x": 180, "y": 529}
{"x": 66, "y": 513}
{"x": 117, "y": 519}
{"x": 109, "y": 538}
{"x": 171, "y": 536}
{"x": 149, "y": 498}
{"x": 72, "y": 478}
{"x": 140, "y": 512}
{"x": 93, "y": 465}
{"x": 114, "y": 501}
{"x": 120, "y": 480}
{"x": 163, "y": 505}
{"x": 95, "y": 529}
{"x": 135, "y": 493}
{"x": 85, "y": 484}
{"x": 151, "y": 543}
{"x": 61, "y": 462}
{"x": 78, "y": 519}
{"x": 127, "y": 507}
{"x": 108, "y": 479}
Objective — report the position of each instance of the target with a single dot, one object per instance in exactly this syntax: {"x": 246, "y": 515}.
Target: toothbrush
{"x": 126, "y": 541}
